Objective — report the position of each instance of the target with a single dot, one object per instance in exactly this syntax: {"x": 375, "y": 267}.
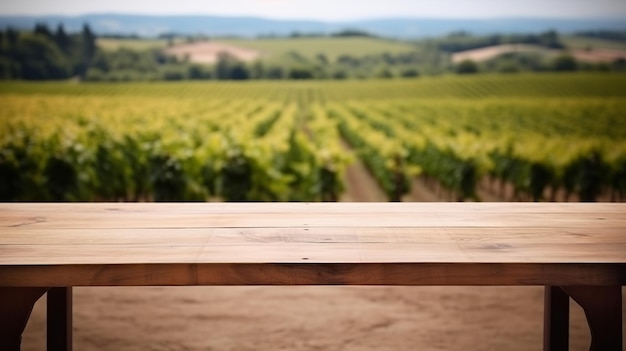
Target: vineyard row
{"x": 276, "y": 142}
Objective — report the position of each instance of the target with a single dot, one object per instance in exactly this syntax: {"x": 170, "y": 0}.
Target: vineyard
{"x": 539, "y": 135}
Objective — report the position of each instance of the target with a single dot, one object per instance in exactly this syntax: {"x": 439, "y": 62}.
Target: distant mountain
{"x": 403, "y": 28}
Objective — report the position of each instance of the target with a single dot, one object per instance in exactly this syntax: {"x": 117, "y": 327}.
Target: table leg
{"x": 16, "y": 304}
{"x": 556, "y": 320}
{"x": 60, "y": 319}
{"x": 603, "y": 308}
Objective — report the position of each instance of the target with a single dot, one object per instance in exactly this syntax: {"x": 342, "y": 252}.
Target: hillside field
{"x": 140, "y": 44}
{"x": 277, "y": 47}
{"x": 331, "y": 47}
{"x": 584, "y": 43}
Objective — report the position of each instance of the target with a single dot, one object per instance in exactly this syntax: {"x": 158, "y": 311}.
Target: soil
{"x": 311, "y": 318}
{"x": 489, "y": 52}
{"x": 361, "y": 186}
{"x": 209, "y": 51}
{"x": 599, "y": 55}
{"x": 307, "y": 318}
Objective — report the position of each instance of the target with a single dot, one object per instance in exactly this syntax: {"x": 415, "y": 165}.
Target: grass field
{"x": 583, "y": 43}
{"x": 331, "y": 47}
{"x": 133, "y": 44}
{"x": 308, "y": 47}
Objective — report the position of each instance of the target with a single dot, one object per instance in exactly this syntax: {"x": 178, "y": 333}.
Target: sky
{"x": 327, "y": 10}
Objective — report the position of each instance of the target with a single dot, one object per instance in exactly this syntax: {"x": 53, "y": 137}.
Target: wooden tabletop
{"x": 45, "y": 244}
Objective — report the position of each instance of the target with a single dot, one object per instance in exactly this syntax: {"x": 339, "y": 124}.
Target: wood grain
{"x": 314, "y": 274}
{"x": 312, "y": 243}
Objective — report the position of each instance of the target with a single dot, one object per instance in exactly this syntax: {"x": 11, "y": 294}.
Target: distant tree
{"x": 223, "y": 65}
{"x": 257, "y": 71}
{"x": 383, "y": 72}
{"x": 9, "y": 69}
{"x": 228, "y": 67}
{"x": 352, "y": 33}
{"x": 530, "y": 61}
{"x": 63, "y": 41}
{"x": 198, "y": 72}
{"x": 409, "y": 73}
{"x": 300, "y": 73}
{"x": 340, "y": 74}
{"x": 619, "y": 64}
{"x": 319, "y": 72}
{"x": 88, "y": 50}
{"x": 42, "y": 29}
{"x": 466, "y": 67}
{"x": 239, "y": 72}
{"x": 174, "y": 73}
{"x": 274, "y": 72}
{"x": 564, "y": 63}
{"x": 95, "y": 75}
{"x": 102, "y": 61}
{"x": 551, "y": 40}
{"x": 39, "y": 58}
{"x": 11, "y": 36}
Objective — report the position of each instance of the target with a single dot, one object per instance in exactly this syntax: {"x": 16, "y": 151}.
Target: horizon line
{"x": 300, "y": 19}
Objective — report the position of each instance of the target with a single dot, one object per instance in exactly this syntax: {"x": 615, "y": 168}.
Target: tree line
{"x": 126, "y": 65}
{"x": 55, "y": 54}
{"x": 45, "y": 53}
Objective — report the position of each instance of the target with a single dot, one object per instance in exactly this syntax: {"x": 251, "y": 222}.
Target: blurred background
{"x": 313, "y": 101}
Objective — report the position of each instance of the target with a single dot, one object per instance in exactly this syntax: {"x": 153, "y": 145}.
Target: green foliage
{"x": 39, "y": 58}
{"x": 383, "y": 155}
{"x": 466, "y": 67}
{"x": 352, "y": 33}
{"x": 199, "y": 72}
{"x": 43, "y": 54}
{"x": 300, "y": 73}
{"x": 564, "y": 63}
{"x": 586, "y": 175}
{"x": 582, "y": 41}
{"x": 518, "y": 62}
{"x": 409, "y": 73}
{"x": 449, "y": 169}
{"x": 348, "y": 54}
{"x": 461, "y": 41}
{"x": 605, "y": 34}
{"x": 229, "y": 68}
{"x": 280, "y": 141}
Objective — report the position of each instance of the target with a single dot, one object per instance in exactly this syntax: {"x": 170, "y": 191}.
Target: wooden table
{"x": 573, "y": 248}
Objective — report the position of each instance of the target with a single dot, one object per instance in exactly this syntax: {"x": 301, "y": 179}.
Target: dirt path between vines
{"x": 310, "y": 318}
{"x": 360, "y": 185}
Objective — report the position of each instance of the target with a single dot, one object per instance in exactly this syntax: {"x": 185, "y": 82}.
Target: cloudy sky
{"x": 329, "y": 10}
